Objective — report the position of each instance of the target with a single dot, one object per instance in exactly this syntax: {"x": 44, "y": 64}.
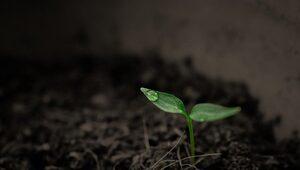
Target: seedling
{"x": 204, "y": 112}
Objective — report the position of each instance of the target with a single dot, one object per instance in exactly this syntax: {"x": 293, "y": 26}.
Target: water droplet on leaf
{"x": 152, "y": 95}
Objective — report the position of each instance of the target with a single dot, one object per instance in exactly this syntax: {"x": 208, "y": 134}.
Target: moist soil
{"x": 87, "y": 112}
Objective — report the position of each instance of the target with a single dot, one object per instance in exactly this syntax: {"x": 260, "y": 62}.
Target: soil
{"x": 87, "y": 112}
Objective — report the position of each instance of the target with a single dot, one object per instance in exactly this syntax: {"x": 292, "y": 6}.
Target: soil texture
{"x": 88, "y": 113}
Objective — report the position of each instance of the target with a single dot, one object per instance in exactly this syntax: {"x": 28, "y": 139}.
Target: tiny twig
{"x": 168, "y": 160}
{"x": 179, "y": 158}
{"x": 190, "y": 166}
{"x": 196, "y": 156}
{"x": 203, "y": 155}
{"x": 156, "y": 163}
{"x": 198, "y": 161}
{"x": 187, "y": 150}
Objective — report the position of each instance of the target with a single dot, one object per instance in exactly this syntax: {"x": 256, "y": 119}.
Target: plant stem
{"x": 192, "y": 137}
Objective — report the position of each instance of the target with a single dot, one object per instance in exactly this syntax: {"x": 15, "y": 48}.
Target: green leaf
{"x": 209, "y": 112}
{"x": 164, "y": 101}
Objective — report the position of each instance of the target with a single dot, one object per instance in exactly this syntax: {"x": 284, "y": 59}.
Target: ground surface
{"x": 88, "y": 113}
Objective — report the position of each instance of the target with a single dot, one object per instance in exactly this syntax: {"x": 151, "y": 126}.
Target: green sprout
{"x": 204, "y": 112}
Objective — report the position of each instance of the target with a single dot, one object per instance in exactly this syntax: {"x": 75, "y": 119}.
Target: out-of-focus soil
{"x": 88, "y": 113}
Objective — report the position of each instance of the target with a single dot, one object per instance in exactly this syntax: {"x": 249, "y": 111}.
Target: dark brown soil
{"x": 88, "y": 113}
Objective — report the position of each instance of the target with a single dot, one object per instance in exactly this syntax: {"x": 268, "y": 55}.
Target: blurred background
{"x": 256, "y": 42}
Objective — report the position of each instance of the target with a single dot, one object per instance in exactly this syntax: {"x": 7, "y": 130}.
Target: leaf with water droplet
{"x": 206, "y": 112}
{"x": 165, "y": 101}
{"x": 150, "y": 94}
